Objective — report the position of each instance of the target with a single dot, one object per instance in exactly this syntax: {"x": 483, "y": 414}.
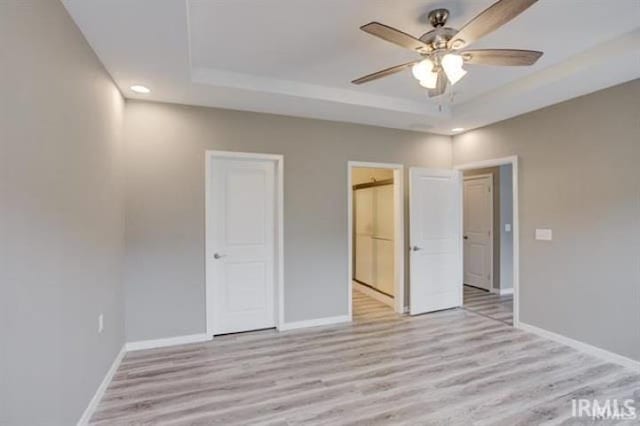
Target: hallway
{"x": 484, "y": 303}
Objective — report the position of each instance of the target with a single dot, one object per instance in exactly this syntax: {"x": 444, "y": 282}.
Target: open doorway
{"x": 376, "y": 243}
{"x": 488, "y": 241}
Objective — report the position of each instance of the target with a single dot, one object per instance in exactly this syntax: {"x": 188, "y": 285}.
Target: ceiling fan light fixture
{"x": 422, "y": 69}
{"x": 439, "y": 48}
{"x": 430, "y": 81}
{"x": 452, "y": 65}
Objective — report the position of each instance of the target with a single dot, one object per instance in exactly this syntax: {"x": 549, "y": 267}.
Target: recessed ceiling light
{"x": 458, "y": 129}
{"x": 143, "y": 90}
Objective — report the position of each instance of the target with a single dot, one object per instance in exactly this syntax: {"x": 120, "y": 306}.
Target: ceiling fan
{"x": 441, "y": 58}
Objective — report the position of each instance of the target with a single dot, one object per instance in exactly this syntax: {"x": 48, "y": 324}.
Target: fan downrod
{"x": 438, "y": 17}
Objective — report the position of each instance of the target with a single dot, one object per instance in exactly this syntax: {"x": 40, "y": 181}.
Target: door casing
{"x": 279, "y": 232}
{"x": 399, "y": 248}
{"x": 513, "y": 161}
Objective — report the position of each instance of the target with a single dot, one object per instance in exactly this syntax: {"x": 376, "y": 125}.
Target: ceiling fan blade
{"x": 488, "y": 21}
{"x": 441, "y": 85}
{"x": 504, "y": 57}
{"x": 385, "y": 72}
{"x": 395, "y": 36}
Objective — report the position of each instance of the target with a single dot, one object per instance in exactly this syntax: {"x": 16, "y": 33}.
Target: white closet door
{"x": 383, "y": 266}
{"x": 383, "y": 212}
{"x": 363, "y": 208}
{"x": 383, "y": 227}
{"x": 364, "y": 259}
{"x": 364, "y": 211}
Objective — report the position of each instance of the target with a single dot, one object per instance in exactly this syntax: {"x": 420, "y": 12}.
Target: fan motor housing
{"x": 440, "y": 35}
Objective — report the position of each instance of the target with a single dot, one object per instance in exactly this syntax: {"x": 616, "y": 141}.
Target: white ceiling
{"x": 297, "y": 57}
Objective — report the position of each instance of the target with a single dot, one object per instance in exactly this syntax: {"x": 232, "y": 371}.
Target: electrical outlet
{"x": 507, "y": 227}
{"x": 100, "y": 323}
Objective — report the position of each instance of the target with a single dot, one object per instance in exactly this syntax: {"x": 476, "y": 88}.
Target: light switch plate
{"x": 507, "y": 227}
{"x": 100, "y": 323}
{"x": 544, "y": 234}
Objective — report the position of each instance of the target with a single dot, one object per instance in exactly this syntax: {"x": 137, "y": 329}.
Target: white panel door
{"x": 435, "y": 235}
{"x": 478, "y": 224}
{"x": 240, "y": 244}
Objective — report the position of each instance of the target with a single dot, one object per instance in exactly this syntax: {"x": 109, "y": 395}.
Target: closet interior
{"x": 373, "y": 220}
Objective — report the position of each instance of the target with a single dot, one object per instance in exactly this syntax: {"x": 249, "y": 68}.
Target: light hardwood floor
{"x": 489, "y": 304}
{"x": 452, "y": 367}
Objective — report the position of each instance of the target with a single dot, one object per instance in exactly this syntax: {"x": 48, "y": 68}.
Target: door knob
{"x": 465, "y": 237}
{"x": 415, "y": 248}
{"x": 218, "y": 255}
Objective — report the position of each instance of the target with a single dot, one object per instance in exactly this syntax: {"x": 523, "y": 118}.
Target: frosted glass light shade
{"x": 452, "y": 65}
{"x": 422, "y": 69}
{"x": 430, "y": 81}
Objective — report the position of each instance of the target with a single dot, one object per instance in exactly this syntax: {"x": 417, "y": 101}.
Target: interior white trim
{"x": 604, "y": 65}
{"x": 398, "y": 213}
{"x": 93, "y": 404}
{"x": 502, "y": 291}
{"x": 269, "y": 85}
{"x": 581, "y": 346}
{"x": 167, "y": 341}
{"x": 315, "y": 322}
{"x": 279, "y": 217}
{"x": 513, "y": 160}
{"x": 382, "y": 298}
{"x": 178, "y": 75}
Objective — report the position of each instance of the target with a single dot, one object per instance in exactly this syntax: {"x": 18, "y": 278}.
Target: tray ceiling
{"x": 297, "y": 57}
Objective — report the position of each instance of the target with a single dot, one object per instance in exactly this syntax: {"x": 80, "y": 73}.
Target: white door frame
{"x": 278, "y": 237}
{"x": 513, "y": 160}
{"x": 482, "y": 176}
{"x": 398, "y": 215}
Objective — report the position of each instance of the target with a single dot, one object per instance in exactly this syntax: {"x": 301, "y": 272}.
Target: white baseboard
{"x": 502, "y": 291}
{"x": 314, "y": 322}
{"x": 581, "y": 346}
{"x": 382, "y": 298}
{"x": 169, "y": 341}
{"x": 93, "y": 404}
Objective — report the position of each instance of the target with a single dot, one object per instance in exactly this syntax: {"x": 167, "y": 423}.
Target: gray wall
{"x": 165, "y": 205}
{"x": 580, "y": 176}
{"x": 61, "y": 216}
{"x": 506, "y": 217}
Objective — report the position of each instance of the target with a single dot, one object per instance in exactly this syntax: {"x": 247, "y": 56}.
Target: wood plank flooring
{"x": 448, "y": 368}
{"x": 489, "y": 304}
